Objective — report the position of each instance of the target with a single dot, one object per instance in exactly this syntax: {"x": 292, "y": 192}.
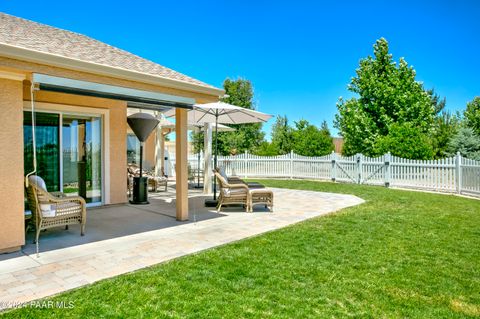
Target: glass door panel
{"x": 47, "y": 145}
{"x": 82, "y": 157}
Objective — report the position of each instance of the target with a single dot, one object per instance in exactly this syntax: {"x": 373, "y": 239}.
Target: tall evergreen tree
{"x": 282, "y": 137}
{"x": 472, "y": 115}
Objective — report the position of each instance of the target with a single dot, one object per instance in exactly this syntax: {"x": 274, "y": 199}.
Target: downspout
{"x": 34, "y": 140}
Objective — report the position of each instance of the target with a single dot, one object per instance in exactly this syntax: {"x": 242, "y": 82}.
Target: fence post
{"x": 245, "y": 164}
{"x": 291, "y": 164}
{"x": 458, "y": 172}
{"x": 359, "y": 168}
{"x": 334, "y": 166}
{"x": 388, "y": 159}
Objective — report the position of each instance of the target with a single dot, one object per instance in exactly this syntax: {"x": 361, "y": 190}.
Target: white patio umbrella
{"x": 220, "y": 112}
{"x": 197, "y": 128}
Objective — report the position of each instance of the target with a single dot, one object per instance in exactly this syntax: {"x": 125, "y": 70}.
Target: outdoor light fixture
{"x": 142, "y": 124}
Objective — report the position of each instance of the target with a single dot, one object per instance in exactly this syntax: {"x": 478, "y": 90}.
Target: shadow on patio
{"x": 114, "y": 221}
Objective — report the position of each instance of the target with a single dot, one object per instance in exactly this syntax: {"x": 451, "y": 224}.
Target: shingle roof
{"x": 40, "y": 37}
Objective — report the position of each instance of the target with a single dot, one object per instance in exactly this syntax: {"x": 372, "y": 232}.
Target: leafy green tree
{"x": 246, "y": 137}
{"x": 197, "y": 141}
{"x": 282, "y": 135}
{"x": 407, "y": 141}
{"x": 472, "y": 114}
{"x": 466, "y": 142}
{"x": 445, "y": 126}
{"x": 267, "y": 149}
{"x": 387, "y": 94}
{"x": 309, "y": 140}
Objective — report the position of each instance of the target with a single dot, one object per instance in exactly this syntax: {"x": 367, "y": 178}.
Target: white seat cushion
{"x": 48, "y": 210}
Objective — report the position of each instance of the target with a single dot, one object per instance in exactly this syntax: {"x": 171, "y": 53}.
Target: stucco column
{"x": 12, "y": 231}
{"x": 181, "y": 163}
{"x": 207, "y": 144}
{"x": 159, "y": 149}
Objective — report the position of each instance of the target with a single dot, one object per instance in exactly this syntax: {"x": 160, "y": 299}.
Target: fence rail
{"x": 454, "y": 174}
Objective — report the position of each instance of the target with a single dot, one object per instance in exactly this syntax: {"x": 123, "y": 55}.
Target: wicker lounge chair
{"x": 237, "y": 180}
{"x": 231, "y": 193}
{"x": 53, "y": 210}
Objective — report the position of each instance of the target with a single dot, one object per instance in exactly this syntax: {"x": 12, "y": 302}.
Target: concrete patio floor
{"x": 124, "y": 238}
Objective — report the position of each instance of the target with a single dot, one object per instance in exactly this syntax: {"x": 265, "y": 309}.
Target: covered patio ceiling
{"x": 136, "y": 98}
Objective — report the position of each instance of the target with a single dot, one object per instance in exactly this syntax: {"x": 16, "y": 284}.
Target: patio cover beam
{"x": 138, "y": 98}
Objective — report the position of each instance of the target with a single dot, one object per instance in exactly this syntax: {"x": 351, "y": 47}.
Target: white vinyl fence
{"x": 454, "y": 174}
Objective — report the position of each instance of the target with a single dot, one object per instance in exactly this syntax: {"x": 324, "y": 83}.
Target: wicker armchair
{"x": 231, "y": 193}
{"x": 50, "y": 211}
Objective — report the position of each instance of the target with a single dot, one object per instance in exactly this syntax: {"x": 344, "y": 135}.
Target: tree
{"x": 246, "y": 137}
{"x": 267, "y": 149}
{"x": 466, "y": 142}
{"x": 445, "y": 127}
{"x": 197, "y": 141}
{"x": 311, "y": 141}
{"x": 282, "y": 137}
{"x": 387, "y": 94}
{"x": 472, "y": 115}
{"x": 407, "y": 141}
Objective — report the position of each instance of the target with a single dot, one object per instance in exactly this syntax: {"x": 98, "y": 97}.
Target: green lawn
{"x": 400, "y": 255}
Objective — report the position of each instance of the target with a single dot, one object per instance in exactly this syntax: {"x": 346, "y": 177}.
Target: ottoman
{"x": 260, "y": 196}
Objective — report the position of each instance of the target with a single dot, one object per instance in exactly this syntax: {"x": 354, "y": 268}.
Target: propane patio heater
{"x": 142, "y": 124}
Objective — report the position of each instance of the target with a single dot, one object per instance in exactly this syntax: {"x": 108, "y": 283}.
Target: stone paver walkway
{"x": 27, "y": 277}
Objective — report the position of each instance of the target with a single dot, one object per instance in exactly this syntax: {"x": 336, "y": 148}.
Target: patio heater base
{"x": 140, "y": 193}
{"x": 211, "y": 202}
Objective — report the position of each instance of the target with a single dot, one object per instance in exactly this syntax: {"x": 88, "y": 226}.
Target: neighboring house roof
{"x": 30, "y": 35}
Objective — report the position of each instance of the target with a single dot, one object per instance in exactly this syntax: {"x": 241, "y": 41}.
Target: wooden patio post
{"x": 181, "y": 163}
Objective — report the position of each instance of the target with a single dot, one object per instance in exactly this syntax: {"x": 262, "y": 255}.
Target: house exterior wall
{"x": 11, "y": 166}
{"x": 117, "y": 133}
{"x": 12, "y": 97}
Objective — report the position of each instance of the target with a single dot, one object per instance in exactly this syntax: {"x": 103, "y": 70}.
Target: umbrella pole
{"x": 215, "y": 158}
{"x": 198, "y": 170}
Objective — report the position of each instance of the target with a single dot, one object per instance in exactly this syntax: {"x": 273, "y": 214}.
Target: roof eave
{"x": 19, "y": 53}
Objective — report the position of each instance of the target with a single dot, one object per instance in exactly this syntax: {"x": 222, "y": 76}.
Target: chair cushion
{"x": 48, "y": 210}
{"x": 37, "y": 181}
{"x": 221, "y": 171}
{"x": 234, "y": 191}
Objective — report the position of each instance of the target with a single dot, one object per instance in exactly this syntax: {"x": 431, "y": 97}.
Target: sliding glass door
{"x": 82, "y": 157}
{"x": 69, "y": 153}
{"x": 48, "y": 147}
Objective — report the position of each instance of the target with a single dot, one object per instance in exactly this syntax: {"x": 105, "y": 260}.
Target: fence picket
{"x": 453, "y": 174}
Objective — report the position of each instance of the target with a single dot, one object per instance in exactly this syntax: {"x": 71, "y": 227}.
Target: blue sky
{"x": 300, "y": 55}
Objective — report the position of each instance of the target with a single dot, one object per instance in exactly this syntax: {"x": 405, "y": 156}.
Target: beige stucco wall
{"x": 11, "y": 166}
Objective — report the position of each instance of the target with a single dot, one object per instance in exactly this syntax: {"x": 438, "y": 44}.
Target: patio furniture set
{"x": 53, "y": 209}
{"x": 234, "y": 190}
